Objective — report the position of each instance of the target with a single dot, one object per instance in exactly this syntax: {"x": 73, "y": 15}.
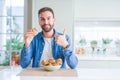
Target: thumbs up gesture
{"x": 61, "y": 39}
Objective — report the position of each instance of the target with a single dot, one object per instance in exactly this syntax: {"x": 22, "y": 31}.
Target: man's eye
{"x": 41, "y": 19}
{"x": 48, "y": 19}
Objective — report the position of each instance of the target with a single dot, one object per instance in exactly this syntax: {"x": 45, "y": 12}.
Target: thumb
{"x": 64, "y": 32}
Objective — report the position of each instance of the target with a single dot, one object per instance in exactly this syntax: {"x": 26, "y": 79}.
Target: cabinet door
{"x": 100, "y": 9}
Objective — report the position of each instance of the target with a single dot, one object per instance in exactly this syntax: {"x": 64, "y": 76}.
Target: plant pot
{"x": 16, "y": 59}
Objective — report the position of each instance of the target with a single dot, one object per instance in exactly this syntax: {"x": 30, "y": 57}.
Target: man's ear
{"x": 54, "y": 19}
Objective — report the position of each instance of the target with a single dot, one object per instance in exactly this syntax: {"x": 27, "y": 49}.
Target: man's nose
{"x": 46, "y": 21}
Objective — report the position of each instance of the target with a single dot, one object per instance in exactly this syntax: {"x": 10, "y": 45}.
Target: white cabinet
{"x": 97, "y": 9}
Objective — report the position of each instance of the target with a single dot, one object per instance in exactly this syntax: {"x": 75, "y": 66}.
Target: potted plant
{"x": 82, "y": 42}
{"x": 81, "y": 48}
{"x": 15, "y": 45}
{"x": 93, "y": 45}
{"x": 106, "y": 42}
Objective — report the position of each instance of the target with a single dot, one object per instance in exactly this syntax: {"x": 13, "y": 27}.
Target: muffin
{"x": 52, "y": 62}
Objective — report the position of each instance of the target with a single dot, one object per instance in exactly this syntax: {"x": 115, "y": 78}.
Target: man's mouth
{"x": 46, "y": 25}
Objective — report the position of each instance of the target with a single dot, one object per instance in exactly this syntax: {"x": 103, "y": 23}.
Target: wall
{"x": 28, "y": 14}
{"x": 98, "y": 9}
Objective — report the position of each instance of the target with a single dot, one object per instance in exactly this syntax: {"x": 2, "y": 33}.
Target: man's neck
{"x": 49, "y": 34}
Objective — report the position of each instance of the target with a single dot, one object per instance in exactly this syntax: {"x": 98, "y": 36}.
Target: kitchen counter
{"x": 11, "y": 73}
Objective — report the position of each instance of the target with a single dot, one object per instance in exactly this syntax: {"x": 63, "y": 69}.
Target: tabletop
{"x": 11, "y": 73}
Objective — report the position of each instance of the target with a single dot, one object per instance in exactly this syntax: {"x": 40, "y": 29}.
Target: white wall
{"x": 28, "y": 15}
{"x": 99, "y": 9}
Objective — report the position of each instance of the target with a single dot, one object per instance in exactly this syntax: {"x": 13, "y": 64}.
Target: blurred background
{"x": 93, "y": 26}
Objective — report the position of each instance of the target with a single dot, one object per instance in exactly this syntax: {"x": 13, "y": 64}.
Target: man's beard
{"x": 47, "y": 29}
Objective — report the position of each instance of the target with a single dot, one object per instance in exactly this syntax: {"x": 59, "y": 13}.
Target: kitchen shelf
{"x": 98, "y": 57}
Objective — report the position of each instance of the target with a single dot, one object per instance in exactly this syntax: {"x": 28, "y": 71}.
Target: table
{"x": 10, "y": 73}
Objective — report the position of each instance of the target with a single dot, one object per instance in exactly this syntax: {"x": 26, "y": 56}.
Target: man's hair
{"x": 45, "y": 9}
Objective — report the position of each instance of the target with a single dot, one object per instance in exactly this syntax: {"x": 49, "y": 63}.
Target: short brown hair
{"x": 45, "y": 9}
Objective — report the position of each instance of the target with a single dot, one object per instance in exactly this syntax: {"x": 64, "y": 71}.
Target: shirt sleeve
{"x": 70, "y": 57}
{"x": 26, "y": 56}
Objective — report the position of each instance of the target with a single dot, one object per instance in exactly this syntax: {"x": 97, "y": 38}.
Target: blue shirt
{"x": 35, "y": 50}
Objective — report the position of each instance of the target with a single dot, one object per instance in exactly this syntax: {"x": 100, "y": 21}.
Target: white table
{"x": 83, "y": 74}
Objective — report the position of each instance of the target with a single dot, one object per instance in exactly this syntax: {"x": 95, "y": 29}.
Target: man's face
{"x": 46, "y": 21}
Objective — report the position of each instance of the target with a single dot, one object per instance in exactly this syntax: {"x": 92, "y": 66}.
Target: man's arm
{"x": 25, "y": 57}
{"x": 71, "y": 59}
{"x": 64, "y": 41}
{"x": 26, "y": 53}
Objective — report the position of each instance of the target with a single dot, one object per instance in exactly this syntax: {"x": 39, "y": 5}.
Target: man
{"x": 47, "y": 43}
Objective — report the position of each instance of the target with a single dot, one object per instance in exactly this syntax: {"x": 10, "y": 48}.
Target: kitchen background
{"x": 93, "y": 25}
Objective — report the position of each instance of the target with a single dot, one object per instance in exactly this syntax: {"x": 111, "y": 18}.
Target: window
{"x": 11, "y": 32}
{"x": 97, "y": 39}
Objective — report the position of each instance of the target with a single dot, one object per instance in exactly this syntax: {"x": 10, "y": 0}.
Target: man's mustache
{"x": 46, "y": 24}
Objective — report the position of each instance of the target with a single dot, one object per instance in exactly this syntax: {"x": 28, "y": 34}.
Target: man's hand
{"x": 61, "y": 40}
{"x": 29, "y": 36}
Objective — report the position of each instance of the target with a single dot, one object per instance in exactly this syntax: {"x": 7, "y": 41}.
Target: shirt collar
{"x": 42, "y": 36}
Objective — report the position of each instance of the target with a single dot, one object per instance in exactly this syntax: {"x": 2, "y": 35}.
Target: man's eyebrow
{"x": 41, "y": 17}
{"x": 47, "y": 17}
